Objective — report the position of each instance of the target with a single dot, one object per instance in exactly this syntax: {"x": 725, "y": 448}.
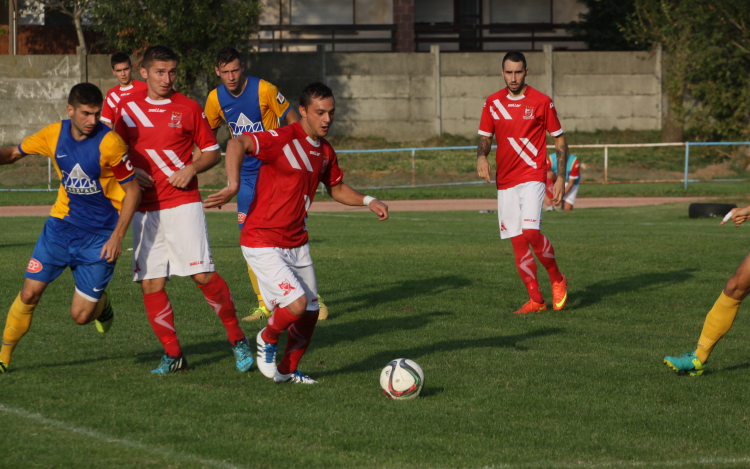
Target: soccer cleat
{"x": 532, "y": 307}
{"x": 266, "y": 356}
{"x": 297, "y": 378}
{"x": 243, "y": 354}
{"x": 560, "y": 294}
{"x": 323, "y": 313}
{"x": 3, "y": 367}
{"x": 170, "y": 365}
{"x": 104, "y": 321}
{"x": 688, "y": 363}
{"x": 258, "y": 313}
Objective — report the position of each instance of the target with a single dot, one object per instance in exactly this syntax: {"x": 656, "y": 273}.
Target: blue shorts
{"x": 64, "y": 245}
{"x": 244, "y": 198}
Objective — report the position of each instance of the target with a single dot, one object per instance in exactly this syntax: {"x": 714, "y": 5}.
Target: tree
{"x": 74, "y": 9}
{"x": 602, "y": 26}
{"x": 195, "y": 29}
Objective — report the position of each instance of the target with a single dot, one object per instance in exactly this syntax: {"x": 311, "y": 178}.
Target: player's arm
{"x": 207, "y": 160}
{"x": 739, "y": 216}
{"x": 561, "y": 150}
{"x": 237, "y": 148}
{"x": 483, "y": 165}
{"x": 291, "y": 116}
{"x": 113, "y": 247}
{"x": 9, "y": 155}
{"x": 344, "y": 194}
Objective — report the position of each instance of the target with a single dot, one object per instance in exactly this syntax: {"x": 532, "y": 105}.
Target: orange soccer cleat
{"x": 560, "y": 294}
{"x": 532, "y": 307}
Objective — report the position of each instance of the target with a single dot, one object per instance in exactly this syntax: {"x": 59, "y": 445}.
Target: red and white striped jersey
{"x": 160, "y": 135}
{"x": 114, "y": 96}
{"x": 292, "y": 167}
{"x": 519, "y": 125}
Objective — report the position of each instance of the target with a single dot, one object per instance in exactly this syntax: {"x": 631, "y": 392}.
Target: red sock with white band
{"x": 297, "y": 341}
{"x": 161, "y": 317}
{"x": 278, "y": 323}
{"x": 526, "y": 267}
{"x": 219, "y": 298}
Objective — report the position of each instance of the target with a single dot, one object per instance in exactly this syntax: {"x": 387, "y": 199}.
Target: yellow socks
{"x": 256, "y": 288}
{"x": 17, "y": 324}
{"x": 718, "y": 322}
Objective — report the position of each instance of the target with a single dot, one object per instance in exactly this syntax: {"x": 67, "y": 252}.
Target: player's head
{"x": 229, "y": 68}
{"x": 515, "y": 71}
{"x": 121, "y": 67}
{"x": 317, "y": 106}
{"x": 85, "y": 107}
{"x": 159, "y": 69}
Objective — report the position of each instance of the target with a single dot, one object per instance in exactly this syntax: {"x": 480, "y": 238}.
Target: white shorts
{"x": 520, "y": 208}
{"x": 284, "y": 275}
{"x": 570, "y": 197}
{"x": 172, "y": 241}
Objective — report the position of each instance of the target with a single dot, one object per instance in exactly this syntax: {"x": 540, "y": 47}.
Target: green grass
{"x": 584, "y": 387}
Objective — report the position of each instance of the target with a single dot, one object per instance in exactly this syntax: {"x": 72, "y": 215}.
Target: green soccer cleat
{"x": 258, "y": 313}
{"x": 3, "y": 367}
{"x": 104, "y": 321}
{"x": 688, "y": 363}
{"x": 170, "y": 365}
{"x": 243, "y": 355}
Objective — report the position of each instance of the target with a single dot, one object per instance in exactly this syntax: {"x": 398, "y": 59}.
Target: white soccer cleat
{"x": 266, "y": 356}
{"x": 297, "y": 378}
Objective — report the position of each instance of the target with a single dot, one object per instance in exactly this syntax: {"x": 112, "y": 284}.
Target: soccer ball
{"x": 402, "y": 379}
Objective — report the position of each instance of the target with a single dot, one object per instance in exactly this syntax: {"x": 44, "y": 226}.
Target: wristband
{"x": 367, "y": 200}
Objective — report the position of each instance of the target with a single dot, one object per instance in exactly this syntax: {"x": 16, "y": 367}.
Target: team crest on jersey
{"x": 280, "y": 97}
{"x": 286, "y": 286}
{"x": 176, "y": 120}
{"x": 241, "y": 217}
{"x": 325, "y": 165}
{"x": 78, "y": 182}
{"x": 243, "y": 125}
{"x": 528, "y": 113}
{"x": 34, "y": 266}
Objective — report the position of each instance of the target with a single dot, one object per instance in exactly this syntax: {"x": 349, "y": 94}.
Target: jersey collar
{"x": 313, "y": 142}
{"x": 158, "y": 103}
{"x": 127, "y": 87}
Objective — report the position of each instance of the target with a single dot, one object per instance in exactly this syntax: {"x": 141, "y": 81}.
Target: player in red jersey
{"x": 161, "y": 126}
{"x": 123, "y": 70}
{"x": 294, "y": 161}
{"x": 519, "y": 117}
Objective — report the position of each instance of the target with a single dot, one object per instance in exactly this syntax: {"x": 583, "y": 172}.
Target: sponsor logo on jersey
{"x": 34, "y": 266}
{"x": 274, "y": 133}
{"x": 513, "y": 105}
{"x": 176, "y": 120}
{"x": 528, "y": 113}
{"x": 241, "y": 217}
{"x": 245, "y": 125}
{"x": 196, "y": 263}
{"x": 316, "y": 153}
{"x": 286, "y": 286}
{"x": 62, "y": 156}
{"x": 280, "y": 98}
{"x": 156, "y": 109}
{"x": 228, "y": 109}
{"x": 551, "y": 105}
{"x": 529, "y": 220}
{"x": 78, "y": 182}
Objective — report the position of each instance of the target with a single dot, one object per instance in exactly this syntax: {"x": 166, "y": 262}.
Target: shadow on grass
{"x": 376, "y": 362}
{"x": 401, "y": 290}
{"x": 743, "y": 366}
{"x": 198, "y": 354}
{"x": 596, "y": 292}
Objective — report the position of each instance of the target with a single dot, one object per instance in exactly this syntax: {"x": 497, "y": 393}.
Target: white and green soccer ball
{"x": 402, "y": 379}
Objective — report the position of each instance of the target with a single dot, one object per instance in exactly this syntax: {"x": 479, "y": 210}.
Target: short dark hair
{"x": 85, "y": 93}
{"x": 227, "y": 55}
{"x": 118, "y": 58}
{"x": 314, "y": 90}
{"x": 515, "y": 56}
{"x": 158, "y": 53}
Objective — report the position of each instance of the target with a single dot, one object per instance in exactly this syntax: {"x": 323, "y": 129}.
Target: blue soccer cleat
{"x": 688, "y": 363}
{"x": 243, "y": 355}
{"x": 170, "y": 365}
{"x": 297, "y": 378}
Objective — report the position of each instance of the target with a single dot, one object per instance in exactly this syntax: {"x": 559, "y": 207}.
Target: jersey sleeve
{"x": 213, "y": 110}
{"x": 276, "y": 101}
{"x": 121, "y": 127}
{"x": 575, "y": 171}
{"x": 204, "y": 135}
{"x": 268, "y": 145}
{"x": 487, "y": 123}
{"x": 553, "y": 123}
{"x": 114, "y": 155}
{"x": 332, "y": 174}
{"x": 43, "y": 142}
{"x": 108, "y": 110}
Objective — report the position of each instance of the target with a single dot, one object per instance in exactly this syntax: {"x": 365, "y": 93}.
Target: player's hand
{"x": 483, "y": 168}
{"x": 143, "y": 178}
{"x": 739, "y": 216}
{"x": 217, "y": 199}
{"x": 112, "y": 249}
{"x": 380, "y": 208}
{"x": 182, "y": 178}
{"x": 558, "y": 190}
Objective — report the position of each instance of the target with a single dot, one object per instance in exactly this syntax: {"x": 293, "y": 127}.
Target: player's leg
{"x": 718, "y": 322}
{"x": 150, "y": 270}
{"x": 570, "y": 198}
{"x": 92, "y": 275}
{"x": 19, "y": 319}
{"x": 245, "y": 197}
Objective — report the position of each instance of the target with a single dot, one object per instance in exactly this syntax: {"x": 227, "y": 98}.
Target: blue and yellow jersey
{"x": 573, "y": 170}
{"x": 257, "y": 109}
{"x": 90, "y": 171}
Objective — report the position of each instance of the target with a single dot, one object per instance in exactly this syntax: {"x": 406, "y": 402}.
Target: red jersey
{"x": 161, "y": 135}
{"x": 519, "y": 125}
{"x": 292, "y": 167}
{"x": 114, "y": 96}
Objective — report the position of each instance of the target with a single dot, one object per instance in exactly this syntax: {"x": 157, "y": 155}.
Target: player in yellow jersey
{"x": 247, "y": 104}
{"x": 95, "y": 203}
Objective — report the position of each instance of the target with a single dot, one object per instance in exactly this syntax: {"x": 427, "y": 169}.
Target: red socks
{"x": 544, "y": 252}
{"x": 278, "y": 323}
{"x": 219, "y": 297}
{"x": 161, "y": 317}
{"x": 526, "y": 267}
{"x": 297, "y": 341}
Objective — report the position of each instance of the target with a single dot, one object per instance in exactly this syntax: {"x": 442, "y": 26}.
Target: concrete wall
{"x": 392, "y": 96}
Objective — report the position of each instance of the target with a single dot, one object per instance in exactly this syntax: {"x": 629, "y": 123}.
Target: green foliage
{"x": 195, "y": 29}
{"x": 601, "y": 27}
{"x": 707, "y": 61}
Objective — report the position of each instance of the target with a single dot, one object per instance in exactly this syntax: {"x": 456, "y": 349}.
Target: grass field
{"x": 584, "y": 387}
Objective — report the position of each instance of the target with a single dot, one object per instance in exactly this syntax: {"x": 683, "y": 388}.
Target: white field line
{"x": 583, "y": 464}
{"x": 116, "y": 441}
